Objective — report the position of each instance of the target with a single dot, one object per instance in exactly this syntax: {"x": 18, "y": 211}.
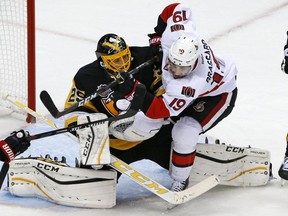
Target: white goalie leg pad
{"x": 234, "y": 166}
{"x": 136, "y": 128}
{"x": 94, "y": 141}
{"x": 78, "y": 187}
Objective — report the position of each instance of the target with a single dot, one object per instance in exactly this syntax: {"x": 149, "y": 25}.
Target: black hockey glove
{"x": 155, "y": 44}
{"x": 14, "y": 145}
{"x": 126, "y": 84}
{"x": 284, "y": 64}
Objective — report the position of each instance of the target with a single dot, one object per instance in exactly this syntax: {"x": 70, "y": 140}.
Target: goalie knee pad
{"x": 136, "y": 128}
{"x": 94, "y": 141}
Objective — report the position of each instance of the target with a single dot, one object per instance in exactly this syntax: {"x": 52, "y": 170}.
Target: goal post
{"x": 17, "y": 55}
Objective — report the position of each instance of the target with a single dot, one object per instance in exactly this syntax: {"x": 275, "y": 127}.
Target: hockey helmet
{"x": 183, "y": 55}
{"x": 114, "y": 53}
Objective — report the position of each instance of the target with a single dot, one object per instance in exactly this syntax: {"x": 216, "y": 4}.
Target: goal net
{"x": 17, "y": 55}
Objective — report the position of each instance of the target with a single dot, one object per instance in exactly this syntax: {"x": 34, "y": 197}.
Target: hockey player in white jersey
{"x": 200, "y": 87}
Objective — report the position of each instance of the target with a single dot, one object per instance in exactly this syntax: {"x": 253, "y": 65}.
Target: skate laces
{"x": 179, "y": 186}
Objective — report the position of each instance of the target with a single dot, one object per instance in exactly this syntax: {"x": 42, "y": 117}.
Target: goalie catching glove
{"x": 14, "y": 145}
{"x": 135, "y": 128}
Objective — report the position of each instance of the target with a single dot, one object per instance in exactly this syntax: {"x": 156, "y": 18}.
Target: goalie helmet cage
{"x": 17, "y": 55}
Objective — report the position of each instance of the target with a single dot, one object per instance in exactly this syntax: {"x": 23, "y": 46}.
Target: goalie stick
{"x": 144, "y": 181}
{"x": 3, "y": 173}
{"x": 50, "y": 105}
{"x": 134, "y": 108}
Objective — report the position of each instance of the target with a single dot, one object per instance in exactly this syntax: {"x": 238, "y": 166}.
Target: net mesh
{"x": 13, "y": 51}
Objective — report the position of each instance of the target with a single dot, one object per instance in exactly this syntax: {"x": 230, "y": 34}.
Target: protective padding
{"x": 94, "y": 141}
{"x": 136, "y": 128}
{"x": 234, "y": 166}
{"x": 49, "y": 180}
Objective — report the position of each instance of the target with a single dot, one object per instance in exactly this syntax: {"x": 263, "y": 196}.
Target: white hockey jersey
{"x": 213, "y": 75}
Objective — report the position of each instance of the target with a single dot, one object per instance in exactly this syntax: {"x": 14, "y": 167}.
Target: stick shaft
{"x": 50, "y": 105}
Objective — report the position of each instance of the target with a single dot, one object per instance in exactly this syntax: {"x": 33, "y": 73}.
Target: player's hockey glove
{"x": 14, "y": 145}
{"x": 126, "y": 85}
{"x": 284, "y": 64}
{"x": 155, "y": 44}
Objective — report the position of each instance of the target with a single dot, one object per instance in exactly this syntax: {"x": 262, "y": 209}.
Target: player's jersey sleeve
{"x": 163, "y": 17}
{"x": 176, "y": 98}
{"x": 75, "y": 95}
{"x": 174, "y": 17}
{"x": 87, "y": 81}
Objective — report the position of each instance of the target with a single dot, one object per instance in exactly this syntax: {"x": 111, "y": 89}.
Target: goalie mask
{"x": 114, "y": 53}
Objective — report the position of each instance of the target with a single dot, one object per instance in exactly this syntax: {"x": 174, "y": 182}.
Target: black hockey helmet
{"x": 114, "y": 53}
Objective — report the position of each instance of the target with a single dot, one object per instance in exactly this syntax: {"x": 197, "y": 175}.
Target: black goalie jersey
{"x": 92, "y": 77}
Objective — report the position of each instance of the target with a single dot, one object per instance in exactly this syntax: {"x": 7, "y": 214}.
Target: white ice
{"x": 253, "y": 33}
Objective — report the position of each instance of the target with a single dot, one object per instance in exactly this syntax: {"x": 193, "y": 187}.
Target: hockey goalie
{"x": 60, "y": 183}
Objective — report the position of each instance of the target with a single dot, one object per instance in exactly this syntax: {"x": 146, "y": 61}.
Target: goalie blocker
{"x": 94, "y": 141}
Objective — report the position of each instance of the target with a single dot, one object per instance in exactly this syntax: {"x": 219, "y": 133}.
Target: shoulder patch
{"x": 177, "y": 27}
{"x": 188, "y": 91}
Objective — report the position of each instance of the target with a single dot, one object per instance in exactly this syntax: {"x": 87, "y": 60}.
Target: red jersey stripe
{"x": 214, "y": 89}
{"x": 157, "y": 109}
{"x": 183, "y": 160}
{"x": 168, "y": 11}
{"x": 215, "y": 110}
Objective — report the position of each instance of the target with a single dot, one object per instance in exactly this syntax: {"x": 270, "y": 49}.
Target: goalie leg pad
{"x": 136, "y": 128}
{"x": 94, "y": 141}
{"x": 78, "y": 187}
{"x": 234, "y": 166}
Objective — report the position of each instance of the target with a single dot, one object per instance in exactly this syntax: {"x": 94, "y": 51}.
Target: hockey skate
{"x": 283, "y": 171}
{"x": 179, "y": 186}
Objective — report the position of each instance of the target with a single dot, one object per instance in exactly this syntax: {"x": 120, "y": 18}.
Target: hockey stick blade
{"x": 50, "y": 105}
{"x": 195, "y": 191}
{"x": 171, "y": 197}
{"x": 136, "y": 103}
